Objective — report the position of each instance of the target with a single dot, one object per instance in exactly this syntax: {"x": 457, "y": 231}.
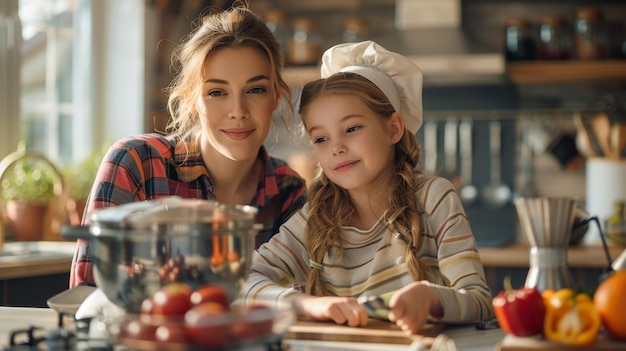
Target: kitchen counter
{"x": 466, "y": 338}
{"x": 518, "y": 255}
{"x": 35, "y": 258}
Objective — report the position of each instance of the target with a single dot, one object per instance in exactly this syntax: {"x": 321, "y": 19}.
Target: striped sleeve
{"x": 466, "y": 298}
{"x": 280, "y": 266}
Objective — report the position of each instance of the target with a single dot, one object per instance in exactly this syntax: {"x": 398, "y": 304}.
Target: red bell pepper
{"x": 519, "y": 312}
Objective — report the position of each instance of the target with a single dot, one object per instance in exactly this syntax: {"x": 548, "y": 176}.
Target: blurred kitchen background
{"x": 499, "y": 106}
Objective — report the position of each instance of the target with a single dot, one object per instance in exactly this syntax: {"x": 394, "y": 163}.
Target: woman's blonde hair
{"x": 330, "y": 204}
{"x": 235, "y": 27}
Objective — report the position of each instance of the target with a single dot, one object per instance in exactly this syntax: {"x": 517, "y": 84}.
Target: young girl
{"x": 221, "y": 103}
{"x": 373, "y": 223}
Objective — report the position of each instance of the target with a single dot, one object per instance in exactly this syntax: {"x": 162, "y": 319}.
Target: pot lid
{"x": 171, "y": 210}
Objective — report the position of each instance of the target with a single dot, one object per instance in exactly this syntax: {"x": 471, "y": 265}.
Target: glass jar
{"x": 304, "y": 46}
{"x": 554, "y": 39}
{"x": 277, "y": 22}
{"x": 591, "y": 34}
{"x": 354, "y": 30}
{"x": 519, "y": 40}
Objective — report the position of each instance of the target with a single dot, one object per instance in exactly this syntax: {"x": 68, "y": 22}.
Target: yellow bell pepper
{"x": 570, "y": 318}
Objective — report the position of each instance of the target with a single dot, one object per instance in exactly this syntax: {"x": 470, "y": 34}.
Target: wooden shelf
{"x": 518, "y": 255}
{"x": 565, "y": 71}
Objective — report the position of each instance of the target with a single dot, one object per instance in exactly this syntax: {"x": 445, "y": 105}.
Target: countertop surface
{"x": 515, "y": 255}
{"x": 35, "y": 258}
{"x": 466, "y": 337}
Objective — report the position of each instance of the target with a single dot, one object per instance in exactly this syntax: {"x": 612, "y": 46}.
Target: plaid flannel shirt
{"x": 151, "y": 166}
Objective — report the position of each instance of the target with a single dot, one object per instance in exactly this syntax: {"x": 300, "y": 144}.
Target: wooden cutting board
{"x": 513, "y": 343}
{"x": 376, "y": 331}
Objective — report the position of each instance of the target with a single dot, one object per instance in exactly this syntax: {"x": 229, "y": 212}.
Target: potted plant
{"x": 30, "y": 185}
{"x": 80, "y": 177}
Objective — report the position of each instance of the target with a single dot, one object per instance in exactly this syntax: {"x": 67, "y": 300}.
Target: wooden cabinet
{"x": 32, "y": 291}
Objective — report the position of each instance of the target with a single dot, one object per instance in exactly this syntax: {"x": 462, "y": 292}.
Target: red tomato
{"x": 172, "y": 300}
{"x": 138, "y": 329}
{"x": 207, "y": 325}
{"x": 172, "y": 333}
{"x": 209, "y": 293}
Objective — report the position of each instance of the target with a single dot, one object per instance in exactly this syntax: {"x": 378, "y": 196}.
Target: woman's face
{"x": 354, "y": 145}
{"x": 237, "y": 101}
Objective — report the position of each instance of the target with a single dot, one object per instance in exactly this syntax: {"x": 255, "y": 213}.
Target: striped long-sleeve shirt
{"x": 373, "y": 261}
{"x": 151, "y": 166}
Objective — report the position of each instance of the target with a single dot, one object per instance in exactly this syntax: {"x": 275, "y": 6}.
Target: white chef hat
{"x": 396, "y": 75}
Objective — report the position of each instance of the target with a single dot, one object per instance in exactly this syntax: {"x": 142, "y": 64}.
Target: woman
{"x": 221, "y": 103}
{"x": 374, "y": 225}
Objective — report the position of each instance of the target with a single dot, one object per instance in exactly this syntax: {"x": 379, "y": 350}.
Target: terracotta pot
{"x": 25, "y": 220}
{"x": 75, "y": 209}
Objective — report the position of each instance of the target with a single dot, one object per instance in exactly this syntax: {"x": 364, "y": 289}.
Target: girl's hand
{"x": 410, "y": 306}
{"x": 341, "y": 310}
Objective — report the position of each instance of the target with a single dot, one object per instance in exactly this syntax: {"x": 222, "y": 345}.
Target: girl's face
{"x": 354, "y": 145}
{"x": 237, "y": 101}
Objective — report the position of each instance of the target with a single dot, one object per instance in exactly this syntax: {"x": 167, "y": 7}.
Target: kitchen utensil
{"x": 496, "y": 194}
{"x": 376, "y": 331}
{"x": 618, "y": 140}
{"x": 547, "y": 225}
{"x": 430, "y": 148}
{"x": 588, "y": 140}
{"x": 139, "y": 247}
{"x": 468, "y": 192}
{"x": 450, "y": 146}
{"x": 70, "y": 300}
{"x": 97, "y": 305}
{"x": 609, "y": 105}
{"x": 377, "y": 306}
{"x": 601, "y": 128}
{"x": 524, "y": 180}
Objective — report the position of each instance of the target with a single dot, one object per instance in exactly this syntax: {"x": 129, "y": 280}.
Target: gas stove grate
{"x": 76, "y": 337}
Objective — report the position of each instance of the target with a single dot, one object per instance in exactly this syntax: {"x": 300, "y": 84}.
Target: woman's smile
{"x": 238, "y": 133}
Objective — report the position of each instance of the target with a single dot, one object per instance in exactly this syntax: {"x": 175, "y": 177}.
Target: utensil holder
{"x": 605, "y": 184}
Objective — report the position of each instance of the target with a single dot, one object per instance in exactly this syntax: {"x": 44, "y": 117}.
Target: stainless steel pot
{"x": 139, "y": 247}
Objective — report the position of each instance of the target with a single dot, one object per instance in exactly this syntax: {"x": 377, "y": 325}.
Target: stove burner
{"x": 63, "y": 338}
{"x": 77, "y": 337}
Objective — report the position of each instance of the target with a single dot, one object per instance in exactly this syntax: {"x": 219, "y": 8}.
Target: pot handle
{"x": 76, "y": 232}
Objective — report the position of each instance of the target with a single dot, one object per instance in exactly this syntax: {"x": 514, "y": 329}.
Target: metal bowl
{"x": 241, "y": 328}
{"x": 139, "y": 247}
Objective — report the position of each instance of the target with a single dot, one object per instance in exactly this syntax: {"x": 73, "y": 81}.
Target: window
{"x": 56, "y": 66}
{"x": 73, "y": 74}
